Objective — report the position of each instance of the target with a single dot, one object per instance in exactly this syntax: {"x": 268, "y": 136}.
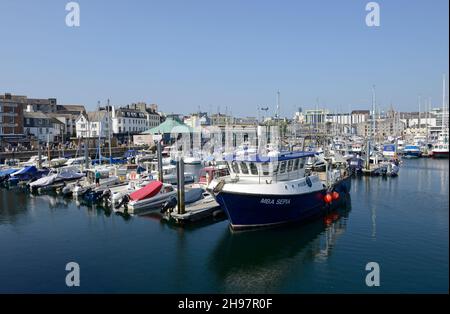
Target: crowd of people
{"x": 9, "y": 148}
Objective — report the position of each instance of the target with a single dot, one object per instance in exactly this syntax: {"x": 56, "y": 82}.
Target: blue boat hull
{"x": 412, "y": 154}
{"x": 253, "y": 211}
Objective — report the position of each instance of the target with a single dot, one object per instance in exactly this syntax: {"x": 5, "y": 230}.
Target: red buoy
{"x": 328, "y": 198}
{"x": 335, "y": 195}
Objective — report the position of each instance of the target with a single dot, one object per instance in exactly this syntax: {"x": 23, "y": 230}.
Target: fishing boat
{"x": 412, "y": 151}
{"x": 356, "y": 164}
{"x": 441, "y": 149}
{"x": 268, "y": 191}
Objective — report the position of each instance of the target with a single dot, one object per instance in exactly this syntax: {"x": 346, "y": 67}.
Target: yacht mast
{"x": 443, "y": 102}
{"x": 109, "y": 133}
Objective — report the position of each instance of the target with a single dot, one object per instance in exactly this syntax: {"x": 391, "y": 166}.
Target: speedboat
{"x": 266, "y": 191}
{"x": 27, "y": 174}
{"x": 88, "y": 184}
{"x": 59, "y": 176}
{"x": 117, "y": 193}
{"x": 151, "y": 197}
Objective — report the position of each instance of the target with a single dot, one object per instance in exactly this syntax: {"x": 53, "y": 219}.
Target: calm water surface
{"x": 400, "y": 223}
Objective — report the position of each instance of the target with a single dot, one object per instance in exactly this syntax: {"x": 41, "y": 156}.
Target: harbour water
{"x": 401, "y": 223}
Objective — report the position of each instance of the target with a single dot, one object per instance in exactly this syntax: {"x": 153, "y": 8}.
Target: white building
{"x": 93, "y": 124}
{"x": 43, "y": 127}
{"x": 134, "y": 119}
{"x": 339, "y": 118}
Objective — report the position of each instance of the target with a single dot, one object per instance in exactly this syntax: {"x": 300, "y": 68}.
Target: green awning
{"x": 169, "y": 126}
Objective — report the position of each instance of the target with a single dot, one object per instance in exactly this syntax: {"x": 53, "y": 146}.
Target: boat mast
{"x": 443, "y": 102}
{"x": 278, "y": 120}
{"x": 99, "y": 137}
{"x": 373, "y": 112}
{"x": 420, "y": 99}
{"x": 109, "y": 134}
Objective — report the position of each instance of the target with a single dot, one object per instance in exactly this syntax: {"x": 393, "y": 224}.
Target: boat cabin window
{"x": 265, "y": 168}
{"x": 275, "y": 167}
{"x": 168, "y": 189}
{"x": 235, "y": 167}
{"x": 244, "y": 168}
{"x": 253, "y": 168}
{"x": 282, "y": 167}
{"x": 296, "y": 163}
{"x": 301, "y": 163}
{"x": 289, "y": 165}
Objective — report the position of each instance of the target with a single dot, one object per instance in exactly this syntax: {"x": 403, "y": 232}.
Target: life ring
{"x": 308, "y": 181}
{"x": 133, "y": 175}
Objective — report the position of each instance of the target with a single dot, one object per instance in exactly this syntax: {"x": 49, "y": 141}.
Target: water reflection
{"x": 260, "y": 261}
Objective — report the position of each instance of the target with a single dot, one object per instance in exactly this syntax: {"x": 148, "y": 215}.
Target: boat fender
{"x": 219, "y": 186}
{"x": 308, "y": 181}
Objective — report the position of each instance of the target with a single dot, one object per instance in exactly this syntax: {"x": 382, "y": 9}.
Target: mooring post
{"x": 86, "y": 154}
{"x": 160, "y": 165}
{"x": 39, "y": 155}
{"x": 180, "y": 185}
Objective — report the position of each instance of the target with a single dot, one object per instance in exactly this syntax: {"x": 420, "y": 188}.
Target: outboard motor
{"x": 170, "y": 204}
{"x": 124, "y": 201}
{"x": 106, "y": 194}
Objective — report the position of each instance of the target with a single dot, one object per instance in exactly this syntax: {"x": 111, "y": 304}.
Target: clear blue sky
{"x": 228, "y": 53}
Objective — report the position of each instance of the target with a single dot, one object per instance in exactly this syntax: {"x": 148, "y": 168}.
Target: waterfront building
{"x": 360, "y": 116}
{"x": 221, "y": 119}
{"x": 383, "y": 128}
{"x": 42, "y": 127}
{"x": 11, "y": 120}
{"x": 133, "y": 119}
{"x": 93, "y": 125}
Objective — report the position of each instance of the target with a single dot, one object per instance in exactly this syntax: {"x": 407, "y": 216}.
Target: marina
{"x": 225, "y": 155}
{"x": 148, "y": 254}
